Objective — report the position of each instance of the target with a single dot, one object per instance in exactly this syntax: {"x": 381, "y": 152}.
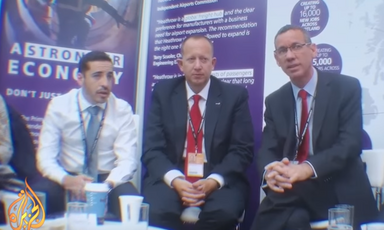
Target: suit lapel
{"x": 180, "y": 109}
{"x": 288, "y": 113}
{"x": 213, "y": 107}
{"x": 323, "y": 94}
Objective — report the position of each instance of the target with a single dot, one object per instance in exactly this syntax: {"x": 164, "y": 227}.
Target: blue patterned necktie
{"x": 93, "y": 127}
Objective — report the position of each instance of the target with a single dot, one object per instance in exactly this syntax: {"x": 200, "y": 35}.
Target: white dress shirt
{"x": 61, "y": 147}
{"x": 173, "y": 174}
{"x": 6, "y": 145}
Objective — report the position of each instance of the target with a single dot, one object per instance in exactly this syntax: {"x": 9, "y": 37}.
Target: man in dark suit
{"x": 23, "y": 159}
{"x": 16, "y": 148}
{"x": 200, "y": 118}
{"x": 311, "y": 144}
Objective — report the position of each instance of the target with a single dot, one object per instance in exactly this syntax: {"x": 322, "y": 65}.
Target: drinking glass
{"x": 350, "y": 208}
{"x": 77, "y": 216}
{"x": 339, "y": 219}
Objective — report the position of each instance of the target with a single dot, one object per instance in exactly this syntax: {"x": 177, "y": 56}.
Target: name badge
{"x": 195, "y": 164}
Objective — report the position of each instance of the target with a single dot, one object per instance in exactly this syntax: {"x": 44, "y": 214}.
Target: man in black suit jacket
{"x": 332, "y": 171}
{"x": 228, "y": 144}
{"x": 22, "y": 158}
{"x": 23, "y": 162}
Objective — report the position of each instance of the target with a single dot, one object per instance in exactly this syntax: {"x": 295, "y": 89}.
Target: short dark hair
{"x": 195, "y": 36}
{"x": 286, "y": 28}
{"x": 90, "y": 57}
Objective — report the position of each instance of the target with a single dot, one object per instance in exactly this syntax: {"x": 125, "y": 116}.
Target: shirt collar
{"x": 203, "y": 93}
{"x": 310, "y": 87}
{"x": 85, "y": 104}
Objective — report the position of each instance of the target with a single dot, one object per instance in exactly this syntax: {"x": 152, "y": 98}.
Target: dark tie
{"x": 302, "y": 155}
{"x": 196, "y": 120}
{"x": 93, "y": 127}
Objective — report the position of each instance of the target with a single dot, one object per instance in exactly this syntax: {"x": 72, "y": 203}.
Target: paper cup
{"x": 130, "y": 208}
{"x": 97, "y": 199}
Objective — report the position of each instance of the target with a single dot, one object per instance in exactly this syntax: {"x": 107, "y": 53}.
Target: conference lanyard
{"x": 84, "y": 138}
{"x": 300, "y": 135}
{"x": 195, "y": 135}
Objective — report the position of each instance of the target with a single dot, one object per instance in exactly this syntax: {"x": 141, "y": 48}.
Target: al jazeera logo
{"x": 26, "y": 212}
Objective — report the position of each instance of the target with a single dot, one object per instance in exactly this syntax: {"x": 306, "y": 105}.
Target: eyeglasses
{"x": 282, "y": 51}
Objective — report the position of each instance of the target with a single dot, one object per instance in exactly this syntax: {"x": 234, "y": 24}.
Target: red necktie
{"x": 302, "y": 155}
{"x": 191, "y": 144}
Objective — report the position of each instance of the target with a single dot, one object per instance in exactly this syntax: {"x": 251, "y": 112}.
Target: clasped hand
{"x": 76, "y": 185}
{"x": 194, "y": 194}
{"x": 281, "y": 175}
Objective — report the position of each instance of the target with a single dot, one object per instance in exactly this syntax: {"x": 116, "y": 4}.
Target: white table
{"x": 8, "y": 198}
{"x": 111, "y": 225}
{"x": 58, "y": 225}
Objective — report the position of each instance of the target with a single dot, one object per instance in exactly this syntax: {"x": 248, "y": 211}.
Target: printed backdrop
{"x": 42, "y": 41}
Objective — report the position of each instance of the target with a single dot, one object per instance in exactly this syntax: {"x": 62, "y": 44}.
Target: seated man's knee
{"x": 299, "y": 219}
{"x": 54, "y": 194}
{"x": 165, "y": 219}
{"x": 220, "y": 217}
{"x": 113, "y": 197}
{"x": 126, "y": 189}
{"x": 163, "y": 209}
{"x": 163, "y": 214}
{"x": 121, "y": 190}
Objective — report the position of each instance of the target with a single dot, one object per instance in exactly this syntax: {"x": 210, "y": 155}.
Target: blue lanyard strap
{"x": 84, "y": 138}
